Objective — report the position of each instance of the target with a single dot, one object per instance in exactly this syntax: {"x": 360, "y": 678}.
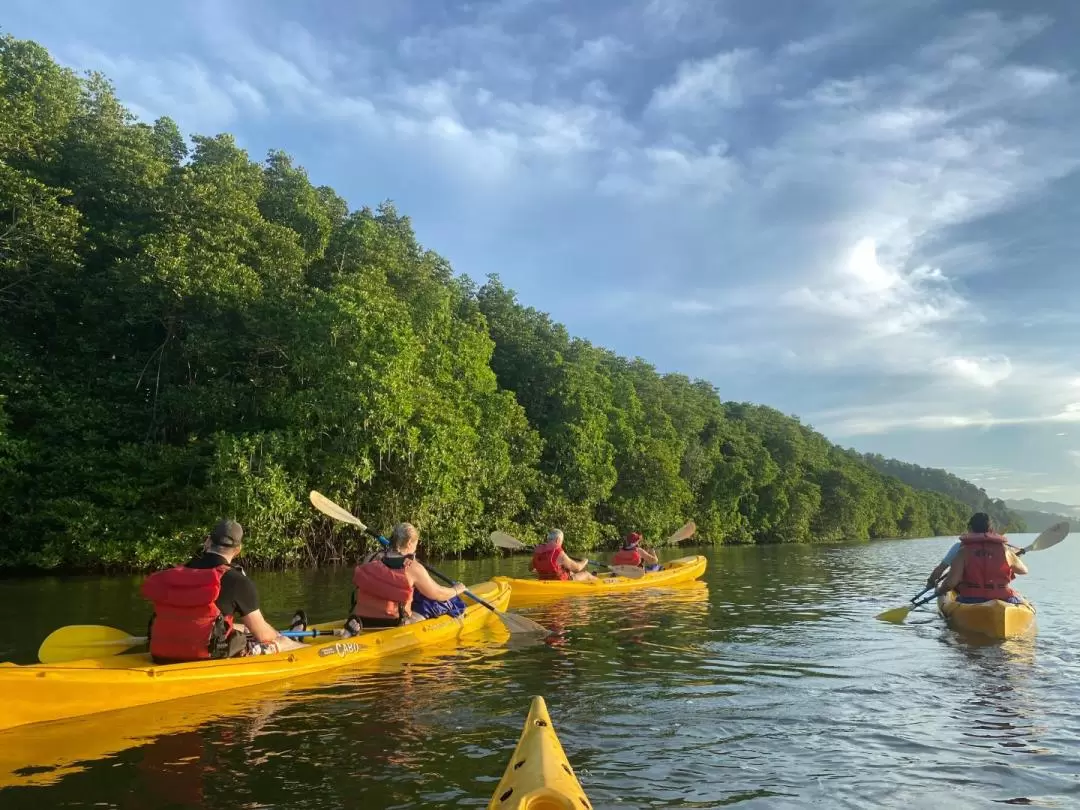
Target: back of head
{"x": 226, "y": 538}
{"x": 401, "y": 535}
{"x": 632, "y": 539}
{"x": 554, "y": 537}
{"x": 980, "y": 523}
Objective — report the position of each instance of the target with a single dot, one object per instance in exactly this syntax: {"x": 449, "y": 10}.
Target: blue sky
{"x": 853, "y": 211}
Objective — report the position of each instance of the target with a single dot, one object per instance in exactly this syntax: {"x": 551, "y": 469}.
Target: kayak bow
{"x": 539, "y": 776}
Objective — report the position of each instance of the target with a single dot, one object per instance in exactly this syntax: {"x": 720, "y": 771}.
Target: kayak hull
{"x": 993, "y": 619}
{"x": 42, "y": 692}
{"x": 539, "y": 776}
{"x": 676, "y": 572}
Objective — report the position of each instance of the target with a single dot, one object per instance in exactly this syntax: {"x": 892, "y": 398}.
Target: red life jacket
{"x": 185, "y": 612}
{"x": 545, "y": 562}
{"x": 987, "y": 572}
{"x": 382, "y": 592}
{"x": 628, "y": 556}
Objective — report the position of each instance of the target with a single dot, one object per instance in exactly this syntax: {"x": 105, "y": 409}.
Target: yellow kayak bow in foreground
{"x": 539, "y": 776}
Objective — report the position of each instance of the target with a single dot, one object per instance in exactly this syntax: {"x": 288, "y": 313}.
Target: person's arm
{"x": 423, "y": 582}
{"x": 936, "y": 574}
{"x": 648, "y": 556}
{"x": 259, "y": 627}
{"x": 1018, "y": 566}
{"x": 570, "y": 564}
{"x": 246, "y": 606}
{"x": 956, "y": 575}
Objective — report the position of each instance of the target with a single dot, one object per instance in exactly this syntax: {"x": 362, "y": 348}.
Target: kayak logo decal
{"x": 341, "y": 648}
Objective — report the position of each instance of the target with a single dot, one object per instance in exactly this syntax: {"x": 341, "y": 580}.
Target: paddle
{"x": 512, "y": 622}
{"x": 1047, "y": 539}
{"x": 504, "y": 540}
{"x": 684, "y": 533}
{"x": 77, "y": 641}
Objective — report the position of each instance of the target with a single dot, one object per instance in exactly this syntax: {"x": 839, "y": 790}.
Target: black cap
{"x": 227, "y": 534}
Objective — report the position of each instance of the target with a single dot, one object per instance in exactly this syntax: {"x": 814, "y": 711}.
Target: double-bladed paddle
{"x": 513, "y": 622}
{"x": 1047, "y": 539}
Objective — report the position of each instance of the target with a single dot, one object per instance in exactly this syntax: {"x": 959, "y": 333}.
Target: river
{"x": 769, "y": 686}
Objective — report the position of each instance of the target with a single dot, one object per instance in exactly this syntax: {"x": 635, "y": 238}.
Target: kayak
{"x": 37, "y": 693}
{"x": 539, "y": 776}
{"x": 44, "y": 753}
{"x": 994, "y": 618}
{"x": 674, "y": 572}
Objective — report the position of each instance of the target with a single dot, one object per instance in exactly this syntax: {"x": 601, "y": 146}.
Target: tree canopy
{"x": 187, "y": 334}
{"x": 937, "y": 480}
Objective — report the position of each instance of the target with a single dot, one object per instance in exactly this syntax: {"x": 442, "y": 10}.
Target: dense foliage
{"x": 936, "y": 480}
{"x": 186, "y": 334}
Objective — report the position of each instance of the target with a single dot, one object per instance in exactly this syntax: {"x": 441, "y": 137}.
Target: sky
{"x": 853, "y": 211}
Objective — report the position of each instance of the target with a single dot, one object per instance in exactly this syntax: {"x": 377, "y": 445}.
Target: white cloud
{"x": 712, "y": 82}
{"x": 981, "y": 371}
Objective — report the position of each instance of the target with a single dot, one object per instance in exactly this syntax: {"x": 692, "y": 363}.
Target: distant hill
{"x": 944, "y": 482}
{"x": 1053, "y": 507}
{"x": 1038, "y": 521}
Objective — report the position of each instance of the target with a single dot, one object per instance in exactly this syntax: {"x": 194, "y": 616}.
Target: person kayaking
{"x": 631, "y": 553}
{"x": 984, "y": 566}
{"x": 386, "y": 588}
{"x": 550, "y": 561}
{"x": 195, "y": 606}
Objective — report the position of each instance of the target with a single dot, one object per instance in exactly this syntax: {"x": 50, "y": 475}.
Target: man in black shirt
{"x": 237, "y": 597}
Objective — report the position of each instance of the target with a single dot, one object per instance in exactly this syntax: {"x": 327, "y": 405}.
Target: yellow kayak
{"x": 674, "y": 572}
{"x": 39, "y": 692}
{"x": 995, "y": 619}
{"x": 539, "y": 776}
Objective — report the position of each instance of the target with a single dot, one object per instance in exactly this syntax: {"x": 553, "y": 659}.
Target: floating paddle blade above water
{"x": 1051, "y": 537}
{"x": 331, "y": 509}
{"x": 504, "y": 540}
{"x": 683, "y": 533}
{"x": 78, "y": 641}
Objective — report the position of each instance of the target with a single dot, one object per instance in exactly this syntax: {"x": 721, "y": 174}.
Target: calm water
{"x": 771, "y": 686}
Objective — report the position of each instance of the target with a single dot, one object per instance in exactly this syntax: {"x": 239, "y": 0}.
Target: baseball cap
{"x": 227, "y": 534}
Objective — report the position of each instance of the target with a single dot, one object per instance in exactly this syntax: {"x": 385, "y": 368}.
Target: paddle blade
{"x": 896, "y": 615}
{"x": 685, "y": 532}
{"x": 331, "y": 509}
{"x": 520, "y": 625}
{"x": 503, "y": 540}
{"x": 628, "y": 571}
{"x": 1051, "y": 537}
{"x": 78, "y": 641}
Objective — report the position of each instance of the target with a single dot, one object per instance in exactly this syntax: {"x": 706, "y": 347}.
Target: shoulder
{"x": 237, "y": 581}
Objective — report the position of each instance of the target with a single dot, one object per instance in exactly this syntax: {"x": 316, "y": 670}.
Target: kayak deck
{"x": 994, "y": 618}
{"x": 539, "y": 776}
{"x": 41, "y": 692}
{"x": 674, "y": 572}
